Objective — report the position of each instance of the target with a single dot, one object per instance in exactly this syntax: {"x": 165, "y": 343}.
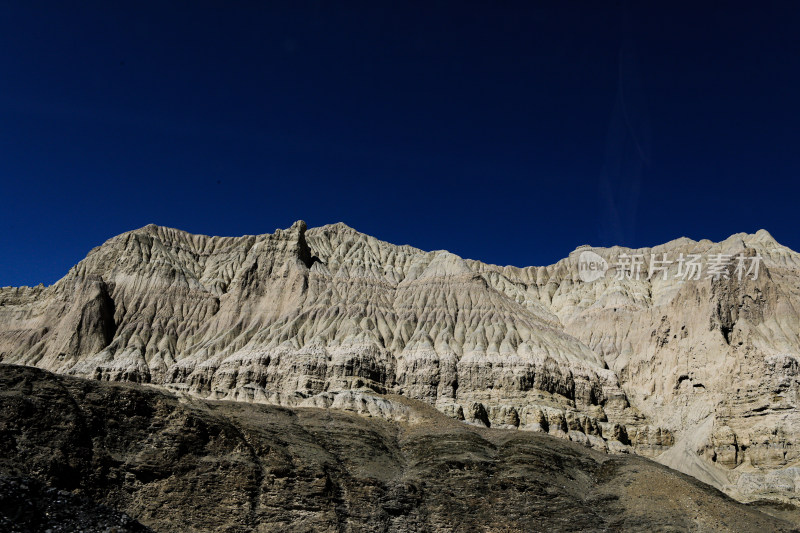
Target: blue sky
{"x": 508, "y": 133}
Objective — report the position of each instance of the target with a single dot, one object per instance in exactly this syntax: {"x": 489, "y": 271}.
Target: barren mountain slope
{"x": 314, "y": 318}
{"x": 193, "y": 465}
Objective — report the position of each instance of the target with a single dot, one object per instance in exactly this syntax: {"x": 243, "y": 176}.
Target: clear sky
{"x": 497, "y": 130}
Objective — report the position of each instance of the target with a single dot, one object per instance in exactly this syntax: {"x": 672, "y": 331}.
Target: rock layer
{"x": 702, "y": 375}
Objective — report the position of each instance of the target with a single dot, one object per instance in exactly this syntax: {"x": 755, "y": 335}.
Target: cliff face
{"x": 702, "y": 375}
{"x": 184, "y": 464}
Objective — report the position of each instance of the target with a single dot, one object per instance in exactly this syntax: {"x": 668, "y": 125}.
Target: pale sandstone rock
{"x": 701, "y": 375}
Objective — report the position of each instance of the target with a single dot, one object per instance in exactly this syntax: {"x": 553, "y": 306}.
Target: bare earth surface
{"x": 184, "y": 464}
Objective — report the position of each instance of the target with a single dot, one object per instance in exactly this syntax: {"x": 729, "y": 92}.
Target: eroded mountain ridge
{"x": 700, "y": 374}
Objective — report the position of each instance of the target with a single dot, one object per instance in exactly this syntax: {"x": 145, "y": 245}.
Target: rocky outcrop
{"x": 700, "y": 374}
{"x": 109, "y": 451}
{"x": 27, "y": 506}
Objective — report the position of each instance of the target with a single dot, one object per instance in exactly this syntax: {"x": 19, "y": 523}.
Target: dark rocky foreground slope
{"x": 181, "y": 464}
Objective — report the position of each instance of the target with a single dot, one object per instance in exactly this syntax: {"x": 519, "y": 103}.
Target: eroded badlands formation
{"x": 701, "y": 375}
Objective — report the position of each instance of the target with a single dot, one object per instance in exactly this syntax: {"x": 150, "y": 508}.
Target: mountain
{"x": 178, "y": 463}
{"x": 701, "y": 375}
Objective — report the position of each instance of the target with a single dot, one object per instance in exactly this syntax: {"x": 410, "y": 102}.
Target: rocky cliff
{"x": 703, "y": 375}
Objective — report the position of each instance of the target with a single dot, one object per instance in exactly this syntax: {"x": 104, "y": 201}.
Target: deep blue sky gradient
{"x": 509, "y": 133}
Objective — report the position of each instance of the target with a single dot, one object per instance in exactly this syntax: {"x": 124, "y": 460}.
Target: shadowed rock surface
{"x": 185, "y": 464}
{"x": 702, "y": 375}
{"x": 27, "y": 505}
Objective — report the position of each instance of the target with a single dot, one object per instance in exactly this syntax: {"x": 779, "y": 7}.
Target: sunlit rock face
{"x": 701, "y": 374}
